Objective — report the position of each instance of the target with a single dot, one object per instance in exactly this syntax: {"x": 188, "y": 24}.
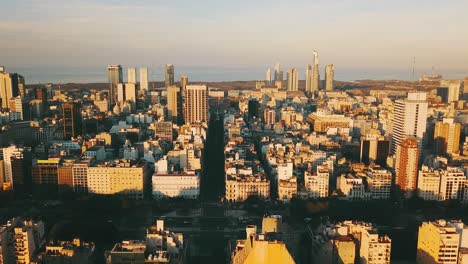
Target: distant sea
{"x": 57, "y": 75}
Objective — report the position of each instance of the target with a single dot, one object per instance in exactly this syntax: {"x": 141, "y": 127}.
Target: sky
{"x": 233, "y": 39}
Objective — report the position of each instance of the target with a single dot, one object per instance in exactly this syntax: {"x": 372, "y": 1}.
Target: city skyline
{"x": 109, "y": 32}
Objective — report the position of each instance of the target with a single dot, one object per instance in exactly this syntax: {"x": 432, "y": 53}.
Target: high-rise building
{"x": 316, "y": 74}
{"x": 410, "y": 117}
{"x": 80, "y": 176}
{"x": 447, "y": 136}
{"x": 439, "y": 242}
{"x": 277, "y": 72}
{"x": 24, "y": 245}
{"x": 130, "y": 92}
{"x": 21, "y": 86}
{"x": 429, "y": 184}
{"x": 72, "y": 123}
{"x": 308, "y": 86}
{"x": 10, "y": 155}
{"x": 45, "y": 172}
{"x": 114, "y": 75}
{"x": 196, "y": 104}
{"x": 120, "y": 93}
{"x": 183, "y": 82}
{"x": 169, "y": 79}
{"x": 132, "y": 77}
{"x": 269, "y": 116}
{"x": 21, "y": 106}
{"x": 144, "y": 78}
{"x": 406, "y": 165}
{"x": 374, "y": 148}
{"x": 293, "y": 79}
{"x": 329, "y": 77}
{"x": 452, "y": 183}
{"x": 268, "y": 76}
{"x": 8, "y": 88}
{"x": 453, "y": 87}
{"x": 174, "y": 104}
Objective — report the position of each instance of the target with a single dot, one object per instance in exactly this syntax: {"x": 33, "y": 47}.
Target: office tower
{"x": 183, "y": 82}
{"x": 280, "y": 76}
{"x": 8, "y": 88}
{"x": 130, "y": 92}
{"x": 293, "y": 79}
{"x": 41, "y": 93}
{"x": 169, "y": 75}
{"x": 196, "y": 104}
{"x": 374, "y": 148}
{"x": 45, "y": 172}
{"x": 253, "y": 108}
{"x": 21, "y": 86}
{"x": 114, "y": 75}
{"x": 132, "y": 78}
{"x": 268, "y": 76}
{"x": 453, "y": 87}
{"x": 277, "y": 72}
{"x": 308, "y": 87}
{"x": 144, "y": 78}
{"x": 443, "y": 92}
{"x": 406, "y": 165}
{"x": 410, "y": 117}
{"x": 269, "y": 116}
{"x": 120, "y": 93}
{"x": 439, "y": 242}
{"x": 329, "y": 77}
{"x": 315, "y": 74}
{"x": 174, "y": 104}
{"x": 80, "y": 176}
{"x": 2, "y": 69}
{"x": 21, "y": 106}
{"x": 447, "y": 136}
{"x": 71, "y": 113}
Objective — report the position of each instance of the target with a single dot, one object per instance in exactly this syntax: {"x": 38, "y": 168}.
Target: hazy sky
{"x": 367, "y": 36}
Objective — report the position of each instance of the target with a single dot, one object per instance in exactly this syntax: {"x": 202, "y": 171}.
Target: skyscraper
{"x": 196, "y": 104}
{"x": 114, "y": 75}
{"x": 268, "y": 76}
{"x": 71, "y": 113}
{"x": 293, "y": 79}
{"x": 329, "y": 77}
{"x": 131, "y": 75}
{"x": 183, "y": 81}
{"x": 144, "y": 78}
{"x": 130, "y": 92}
{"x": 277, "y": 72}
{"x": 174, "y": 103}
{"x": 8, "y": 87}
{"x": 410, "y": 117}
{"x": 308, "y": 86}
{"x": 316, "y": 74}
{"x": 406, "y": 165}
{"x": 453, "y": 87}
{"x": 447, "y": 136}
{"x": 169, "y": 75}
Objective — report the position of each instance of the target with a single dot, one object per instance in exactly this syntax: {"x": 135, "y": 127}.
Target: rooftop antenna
{"x": 414, "y": 63}
{"x": 433, "y": 71}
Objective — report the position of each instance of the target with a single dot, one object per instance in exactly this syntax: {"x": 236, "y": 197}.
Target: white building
{"x": 429, "y": 184}
{"x": 352, "y": 187}
{"x": 410, "y": 118}
{"x": 317, "y": 184}
{"x": 452, "y": 182}
{"x": 170, "y": 185}
{"x": 380, "y": 182}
